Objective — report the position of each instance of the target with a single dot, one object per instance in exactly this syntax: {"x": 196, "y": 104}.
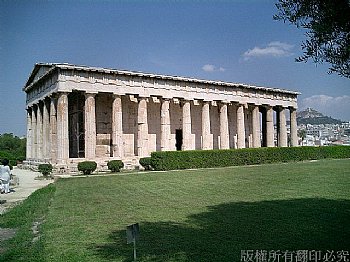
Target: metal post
{"x": 134, "y": 249}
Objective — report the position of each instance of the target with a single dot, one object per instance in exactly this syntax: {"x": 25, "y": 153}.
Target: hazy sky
{"x": 236, "y": 41}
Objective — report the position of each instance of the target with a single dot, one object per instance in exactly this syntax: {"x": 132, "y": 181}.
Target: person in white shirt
{"x": 5, "y": 176}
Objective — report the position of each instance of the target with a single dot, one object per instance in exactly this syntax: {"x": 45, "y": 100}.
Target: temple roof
{"x": 42, "y": 70}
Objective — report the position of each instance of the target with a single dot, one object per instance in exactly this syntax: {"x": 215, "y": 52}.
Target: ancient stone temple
{"x": 77, "y": 113}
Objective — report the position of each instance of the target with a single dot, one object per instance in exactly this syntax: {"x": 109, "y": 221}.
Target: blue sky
{"x": 236, "y": 41}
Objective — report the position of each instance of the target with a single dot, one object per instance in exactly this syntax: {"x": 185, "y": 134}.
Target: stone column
{"x": 117, "y": 127}
{"x": 142, "y": 131}
{"x": 269, "y": 127}
{"x": 256, "y": 127}
{"x": 282, "y": 129}
{"x": 240, "y": 127}
{"x": 165, "y": 131}
{"x": 53, "y": 130}
{"x": 224, "y": 133}
{"x": 90, "y": 126}
{"x": 206, "y": 135}
{"x": 46, "y": 133}
{"x": 29, "y": 134}
{"x": 34, "y": 136}
{"x": 62, "y": 129}
{"x": 293, "y": 127}
{"x": 39, "y": 133}
{"x": 186, "y": 126}
{"x": 248, "y": 114}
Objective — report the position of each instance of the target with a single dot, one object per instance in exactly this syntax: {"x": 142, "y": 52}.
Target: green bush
{"x": 87, "y": 167}
{"x": 45, "y": 169}
{"x": 115, "y": 165}
{"x": 171, "y": 160}
{"x": 146, "y": 163}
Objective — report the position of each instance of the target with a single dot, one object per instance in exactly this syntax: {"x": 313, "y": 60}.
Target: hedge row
{"x": 171, "y": 160}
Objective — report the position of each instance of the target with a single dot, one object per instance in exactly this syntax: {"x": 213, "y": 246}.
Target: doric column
{"x": 282, "y": 129}
{"x": 117, "y": 127}
{"x": 248, "y": 114}
{"x": 53, "y": 130}
{"x": 46, "y": 133}
{"x": 240, "y": 127}
{"x": 293, "y": 127}
{"x": 29, "y": 134}
{"x": 90, "y": 126}
{"x": 39, "y": 133}
{"x": 256, "y": 127}
{"x": 269, "y": 127}
{"x": 206, "y": 135}
{"x": 224, "y": 133}
{"x": 142, "y": 131}
{"x": 165, "y": 131}
{"x": 62, "y": 129}
{"x": 34, "y": 127}
{"x": 186, "y": 125}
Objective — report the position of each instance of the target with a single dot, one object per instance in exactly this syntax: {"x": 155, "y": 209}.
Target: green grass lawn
{"x": 191, "y": 215}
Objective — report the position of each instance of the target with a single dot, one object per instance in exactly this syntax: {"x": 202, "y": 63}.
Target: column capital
{"x": 90, "y": 94}
{"x": 281, "y": 107}
{"x": 267, "y": 106}
{"x": 61, "y": 93}
{"x": 115, "y": 95}
{"x": 139, "y": 99}
{"x": 165, "y": 99}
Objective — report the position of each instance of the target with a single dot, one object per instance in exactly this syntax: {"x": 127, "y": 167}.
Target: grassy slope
{"x": 203, "y": 215}
{"x": 22, "y": 217}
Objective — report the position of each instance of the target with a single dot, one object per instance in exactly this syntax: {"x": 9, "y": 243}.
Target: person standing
{"x": 5, "y": 176}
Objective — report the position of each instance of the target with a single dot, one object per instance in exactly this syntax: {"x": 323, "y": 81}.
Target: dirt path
{"x": 27, "y": 185}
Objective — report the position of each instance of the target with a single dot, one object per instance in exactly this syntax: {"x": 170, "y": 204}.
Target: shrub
{"x": 87, "y": 167}
{"x": 248, "y": 156}
{"x": 115, "y": 165}
{"x": 146, "y": 163}
{"x": 45, "y": 169}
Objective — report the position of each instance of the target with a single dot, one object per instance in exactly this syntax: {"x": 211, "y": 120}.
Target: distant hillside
{"x": 313, "y": 117}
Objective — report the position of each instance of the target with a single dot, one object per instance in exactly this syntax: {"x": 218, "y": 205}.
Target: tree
{"x": 328, "y": 30}
{"x": 12, "y": 147}
{"x": 302, "y": 134}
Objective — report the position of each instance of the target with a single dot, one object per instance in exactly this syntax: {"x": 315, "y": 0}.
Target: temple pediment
{"x": 39, "y": 70}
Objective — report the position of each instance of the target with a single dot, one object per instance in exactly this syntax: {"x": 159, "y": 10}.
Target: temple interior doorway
{"x": 178, "y": 139}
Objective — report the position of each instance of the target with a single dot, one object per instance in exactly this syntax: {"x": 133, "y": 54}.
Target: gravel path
{"x": 27, "y": 185}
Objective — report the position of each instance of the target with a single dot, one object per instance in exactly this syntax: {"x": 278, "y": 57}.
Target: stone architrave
{"x": 186, "y": 125}
{"x": 142, "y": 131}
{"x": 39, "y": 133}
{"x": 53, "y": 130}
{"x": 90, "y": 126}
{"x": 256, "y": 127}
{"x": 269, "y": 127}
{"x": 165, "y": 125}
{"x": 117, "y": 127}
{"x": 206, "y": 134}
{"x": 293, "y": 127}
{"x": 282, "y": 136}
{"x": 224, "y": 131}
{"x": 240, "y": 127}
{"x": 62, "y": 129}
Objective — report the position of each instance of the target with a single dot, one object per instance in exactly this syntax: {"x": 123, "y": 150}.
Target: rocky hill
{"x": 313, "y": 117}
